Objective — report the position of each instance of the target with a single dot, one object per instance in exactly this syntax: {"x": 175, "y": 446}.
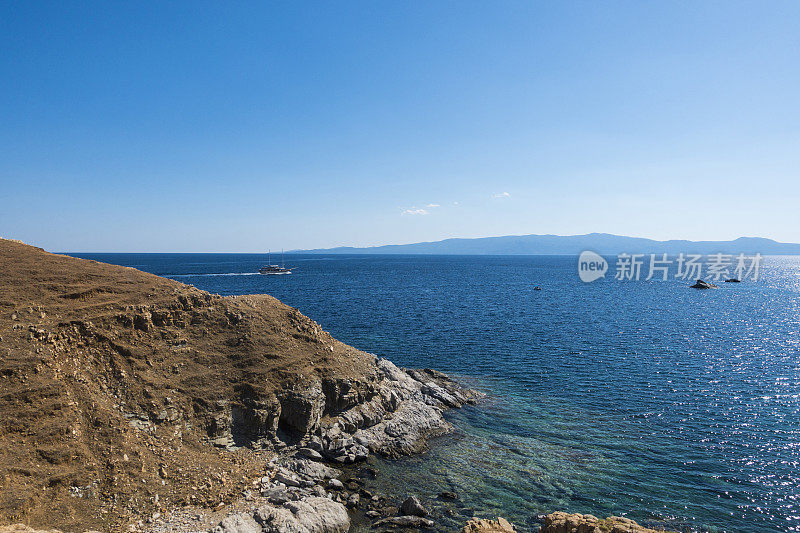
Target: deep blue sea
{"x": 652, "y": 400}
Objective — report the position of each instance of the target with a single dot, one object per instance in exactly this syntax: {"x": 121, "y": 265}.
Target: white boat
{"x": 274, "y": 269}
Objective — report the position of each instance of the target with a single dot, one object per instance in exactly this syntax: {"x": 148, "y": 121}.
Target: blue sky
{"x": 128, "y": 126}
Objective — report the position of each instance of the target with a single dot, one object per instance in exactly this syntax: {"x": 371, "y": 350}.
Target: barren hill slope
{"x": 123, "y": 393}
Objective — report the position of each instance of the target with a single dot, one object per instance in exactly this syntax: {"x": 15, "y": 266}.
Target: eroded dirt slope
{"x": 123, "y": 393}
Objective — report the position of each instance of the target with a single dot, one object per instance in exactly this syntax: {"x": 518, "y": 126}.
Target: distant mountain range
{"x": 602, "y": 243}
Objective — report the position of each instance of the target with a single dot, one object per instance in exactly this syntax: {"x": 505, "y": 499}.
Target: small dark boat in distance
{"x": 274, "y": 269}
{"x": 537, "y": 288}
{"x": 733, "y": 280}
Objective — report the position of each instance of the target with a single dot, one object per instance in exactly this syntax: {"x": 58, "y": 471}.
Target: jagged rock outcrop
{"x": 402, "y": 411}
{"x": 561, "y": 522}
{"x": 392, "y": 412}
{"x": 485, "y": 525}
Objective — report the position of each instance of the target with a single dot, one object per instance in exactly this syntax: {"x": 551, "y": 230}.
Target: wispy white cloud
{"x": 419, "y": 210}
{"x": 502, "y": 195}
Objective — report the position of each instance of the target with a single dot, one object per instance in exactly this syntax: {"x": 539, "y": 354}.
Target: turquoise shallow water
{"x": 669, "y": 405}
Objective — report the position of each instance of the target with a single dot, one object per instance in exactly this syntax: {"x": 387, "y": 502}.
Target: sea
{"x": 675, "y": 407}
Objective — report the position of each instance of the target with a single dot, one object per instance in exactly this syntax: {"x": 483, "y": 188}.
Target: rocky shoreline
{"x": 301, "y": 491}
{"x": 317, "y": 484}
{"x": 392, "y": 412}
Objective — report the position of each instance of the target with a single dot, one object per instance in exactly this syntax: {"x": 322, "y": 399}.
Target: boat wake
{"x": 206, "y": 275}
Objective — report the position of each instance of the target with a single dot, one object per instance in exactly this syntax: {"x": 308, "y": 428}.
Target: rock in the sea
{"x": 404, "y": 521}
{"x": 353, "y": 500}
{"x": 448, "y": 495}
{"x": 413, "y": 507}
{"x": 485, "y": 525}
{"x": 585, "y": 523}
{"x": 700, "y": 284}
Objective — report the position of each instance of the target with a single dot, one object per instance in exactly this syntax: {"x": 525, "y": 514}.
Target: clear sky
{"x": 233, "y": 126}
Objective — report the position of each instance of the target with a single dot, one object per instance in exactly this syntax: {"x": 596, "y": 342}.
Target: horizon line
{"x": 374, "y": 246}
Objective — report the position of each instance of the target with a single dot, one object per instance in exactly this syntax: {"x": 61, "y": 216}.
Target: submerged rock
{"x": 412, "y": 506}
{"x": 404, "y": 522}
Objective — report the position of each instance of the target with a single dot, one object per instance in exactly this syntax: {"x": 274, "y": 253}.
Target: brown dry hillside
{"x": 117, "y": 388}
